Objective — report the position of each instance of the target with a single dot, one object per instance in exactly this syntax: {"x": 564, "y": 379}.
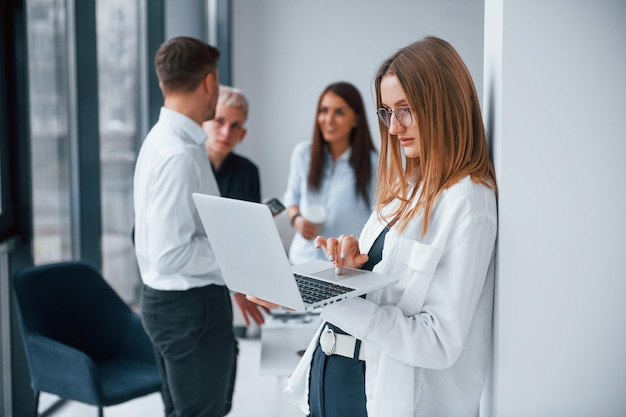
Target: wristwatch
{"x": 293, "y": 219}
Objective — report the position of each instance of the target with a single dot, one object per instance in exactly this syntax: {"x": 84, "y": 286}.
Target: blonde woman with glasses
{"x": 422, "y": 346}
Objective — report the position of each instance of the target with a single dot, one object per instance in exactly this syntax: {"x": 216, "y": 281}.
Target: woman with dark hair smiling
{"x": 334, "y": 174}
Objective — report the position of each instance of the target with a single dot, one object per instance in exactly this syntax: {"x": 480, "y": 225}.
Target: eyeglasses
{"x": 403, "y": 115}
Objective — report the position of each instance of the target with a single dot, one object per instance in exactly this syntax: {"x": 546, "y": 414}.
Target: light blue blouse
{"x": 346, "y": 210}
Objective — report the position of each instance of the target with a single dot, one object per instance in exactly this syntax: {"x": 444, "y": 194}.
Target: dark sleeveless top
{"x": 376, "y": 251}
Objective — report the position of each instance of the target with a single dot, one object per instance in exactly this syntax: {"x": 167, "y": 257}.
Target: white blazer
{"x": 428, "y": 337}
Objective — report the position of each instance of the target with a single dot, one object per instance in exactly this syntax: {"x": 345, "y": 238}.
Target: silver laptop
{"x": 251, "y": 256}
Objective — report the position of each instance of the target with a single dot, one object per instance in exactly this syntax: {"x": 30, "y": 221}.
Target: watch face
{"x": 327, "y": 341}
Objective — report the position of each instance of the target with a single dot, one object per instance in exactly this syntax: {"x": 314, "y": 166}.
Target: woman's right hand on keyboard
{"x": 342, "y": 251}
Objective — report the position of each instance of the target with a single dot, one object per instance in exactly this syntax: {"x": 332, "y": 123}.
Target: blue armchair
{"x": 82, "y": 342}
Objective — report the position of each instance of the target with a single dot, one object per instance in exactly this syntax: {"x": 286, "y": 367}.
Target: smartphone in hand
{"x": 276, "y": 207}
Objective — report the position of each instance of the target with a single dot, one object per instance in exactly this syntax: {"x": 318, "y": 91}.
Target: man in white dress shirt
{"x": 186, "y": 309}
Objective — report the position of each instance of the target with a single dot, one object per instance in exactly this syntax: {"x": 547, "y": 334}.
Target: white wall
{"x": 559, "y": 73}
{"x": 286, "y": 51}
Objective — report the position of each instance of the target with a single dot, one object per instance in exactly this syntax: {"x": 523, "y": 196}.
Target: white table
{"x": 281, "y": 342}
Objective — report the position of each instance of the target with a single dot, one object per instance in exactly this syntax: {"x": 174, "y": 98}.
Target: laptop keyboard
{"x": 314, "y": 290}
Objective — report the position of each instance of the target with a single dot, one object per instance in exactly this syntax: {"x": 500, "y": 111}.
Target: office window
{"x": 49, "y": 126}
{"x": 118, "y": 38}
{"x": 60, "y": 144}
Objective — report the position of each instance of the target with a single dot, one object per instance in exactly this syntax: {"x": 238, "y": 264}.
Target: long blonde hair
{"x": 453, "y": 143}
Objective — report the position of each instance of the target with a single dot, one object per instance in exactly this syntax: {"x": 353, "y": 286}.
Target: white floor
{"x": 255, "y": 395}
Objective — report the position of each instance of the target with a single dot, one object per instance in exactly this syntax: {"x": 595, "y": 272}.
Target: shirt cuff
{"x": 353, "y": 316}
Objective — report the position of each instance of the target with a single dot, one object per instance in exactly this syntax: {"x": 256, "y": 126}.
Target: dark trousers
{"x": 336, "y": 385}
{"x": 192, "y": 333}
